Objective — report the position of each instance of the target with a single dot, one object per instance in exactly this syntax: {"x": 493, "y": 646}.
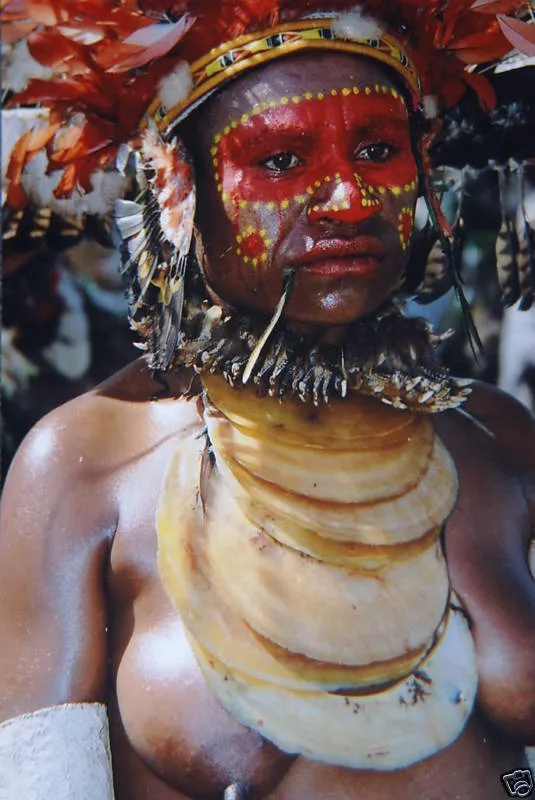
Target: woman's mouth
{"x": 336, "y": 257}
{"x": 338, "y": 267}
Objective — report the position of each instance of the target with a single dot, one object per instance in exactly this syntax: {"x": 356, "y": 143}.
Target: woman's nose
{"x": 344, "y": 198}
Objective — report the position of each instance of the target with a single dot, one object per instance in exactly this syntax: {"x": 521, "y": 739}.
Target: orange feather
{"x": 108, "y": 56}
{"x": 30, "y": 143}
{"x": 77, "y": 141}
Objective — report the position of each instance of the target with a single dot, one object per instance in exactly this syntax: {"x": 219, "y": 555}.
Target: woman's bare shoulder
{"x": 116, "y": 421}
{"x": 59, "y": 514}
{"x": 137, "y": 382}
{"x": 511, "y": 425}
{"x": 498, "y": 410}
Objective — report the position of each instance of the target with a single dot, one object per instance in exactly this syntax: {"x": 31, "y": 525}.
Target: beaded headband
{"x": 246, "y": 52}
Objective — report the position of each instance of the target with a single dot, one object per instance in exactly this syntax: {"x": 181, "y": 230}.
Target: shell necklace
{"x": 308, "y": 569}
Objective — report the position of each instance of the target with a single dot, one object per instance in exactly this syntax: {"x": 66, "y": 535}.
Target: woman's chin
{"x": 322, "y": 310}
{"x": 330, "y": 315}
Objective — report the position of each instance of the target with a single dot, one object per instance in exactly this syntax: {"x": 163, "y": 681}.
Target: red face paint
{"x": 405, "y": 226}
{"x": 290, "y": 168}
{"x": 320, "y": 131}
{"x": 253, "y": 245}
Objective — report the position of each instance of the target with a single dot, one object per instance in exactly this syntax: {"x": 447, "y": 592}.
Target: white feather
{"x": 128, "y": 218}
{"x": 355, "y": 25}
{"x": 129, "y": 225}
{"x": 137, "y": 244}
{"x": 107, "y": 188}
{"x": 124, "y": 153}
{"x": 15, "y": 123}
{"x": 128, "y": 208}
{"x": 19, "y": 67}
{"x": 430, "y": 103}
{"x": 36, "y": 183}
{"x": 175, "y": 87}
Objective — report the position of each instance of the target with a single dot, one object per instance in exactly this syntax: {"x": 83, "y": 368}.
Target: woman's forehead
{"x": 293, "y": 76}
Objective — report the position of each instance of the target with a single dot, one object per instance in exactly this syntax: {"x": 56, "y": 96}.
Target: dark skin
{"x": 84, "y": 617}
{"x": 347, "y": 149}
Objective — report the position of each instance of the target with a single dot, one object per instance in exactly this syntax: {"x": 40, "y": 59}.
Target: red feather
{"x": 77, "y": 92}
{"x": 15, "y": 31}
{"x": 67, "y": 182}
{"x": 45, "y": 12}
{"x": 53, "y": 50}
{"x": 80, "y": 140}
{"x": 85, "y": 167}
{"x": 483, "y": 89}
{"x": 520, "y": 34}
{"x": 480, "y": 47}
{"x": 27, "y": 146}
{"x": 16, "y": 197}
{"x": 16, "y": 9}
{"x": 108, "y": 56}
{"x": 144, "y": 45}
{"x": 495, "y": 6}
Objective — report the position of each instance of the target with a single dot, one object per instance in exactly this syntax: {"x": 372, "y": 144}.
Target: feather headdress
{"x": 108, "y": 59}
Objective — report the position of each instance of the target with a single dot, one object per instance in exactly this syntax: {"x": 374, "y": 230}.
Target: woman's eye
{"x": 281, "y": 162}
{"x": 378, "y": 152}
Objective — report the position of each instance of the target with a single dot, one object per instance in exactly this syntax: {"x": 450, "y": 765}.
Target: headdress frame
{"x": 231, "y": 59}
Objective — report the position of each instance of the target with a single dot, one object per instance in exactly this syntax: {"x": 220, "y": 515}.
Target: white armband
{"x": 58, "y": 753}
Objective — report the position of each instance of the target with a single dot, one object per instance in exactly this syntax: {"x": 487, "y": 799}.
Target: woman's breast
{"x": 192, "y": 746}
{"x": 173, "y": 722}
{"x": 470, "y": 769}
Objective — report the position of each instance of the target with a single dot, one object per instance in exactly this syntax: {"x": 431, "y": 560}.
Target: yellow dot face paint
{"x": 308, "y": 173}
{"x": 253, "y": 246}
{"x": 265, "y": 175}
{"x": 405, "y": 226}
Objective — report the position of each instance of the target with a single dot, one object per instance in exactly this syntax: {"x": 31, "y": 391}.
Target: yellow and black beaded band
{"x": 249, "y": 51}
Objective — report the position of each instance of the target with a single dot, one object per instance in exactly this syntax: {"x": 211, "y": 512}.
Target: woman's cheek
{"x": 405, "y": 225}
{"x": 399, "y": 212}
{"x": 257, "y": 228}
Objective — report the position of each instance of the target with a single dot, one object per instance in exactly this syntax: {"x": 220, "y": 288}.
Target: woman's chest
{"x": 173, "y": 722}
{"x": 178, "y": 742}
{"x": 171, "y": 719}
{"x": 163, "y": 715}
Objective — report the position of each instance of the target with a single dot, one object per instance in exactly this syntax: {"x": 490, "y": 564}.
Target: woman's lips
{"x": 337, "y": 267}
{"x": 335, "y": 258}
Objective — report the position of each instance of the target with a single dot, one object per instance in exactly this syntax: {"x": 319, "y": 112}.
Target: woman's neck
{"x": 386, "y": 355}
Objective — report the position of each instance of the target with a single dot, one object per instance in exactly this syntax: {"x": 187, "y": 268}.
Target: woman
{"x": 321, "y": 597}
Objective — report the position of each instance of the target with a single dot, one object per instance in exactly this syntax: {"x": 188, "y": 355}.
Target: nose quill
{"x": 253, "y": 358}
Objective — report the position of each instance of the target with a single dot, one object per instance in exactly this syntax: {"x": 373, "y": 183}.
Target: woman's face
{"x": 306, "y": 164}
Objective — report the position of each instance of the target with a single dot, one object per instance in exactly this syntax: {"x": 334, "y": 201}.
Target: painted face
{"x": 310, "y": 167}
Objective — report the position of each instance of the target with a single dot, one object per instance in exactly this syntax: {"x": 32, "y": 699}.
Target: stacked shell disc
{"x": 308, "y": 570}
